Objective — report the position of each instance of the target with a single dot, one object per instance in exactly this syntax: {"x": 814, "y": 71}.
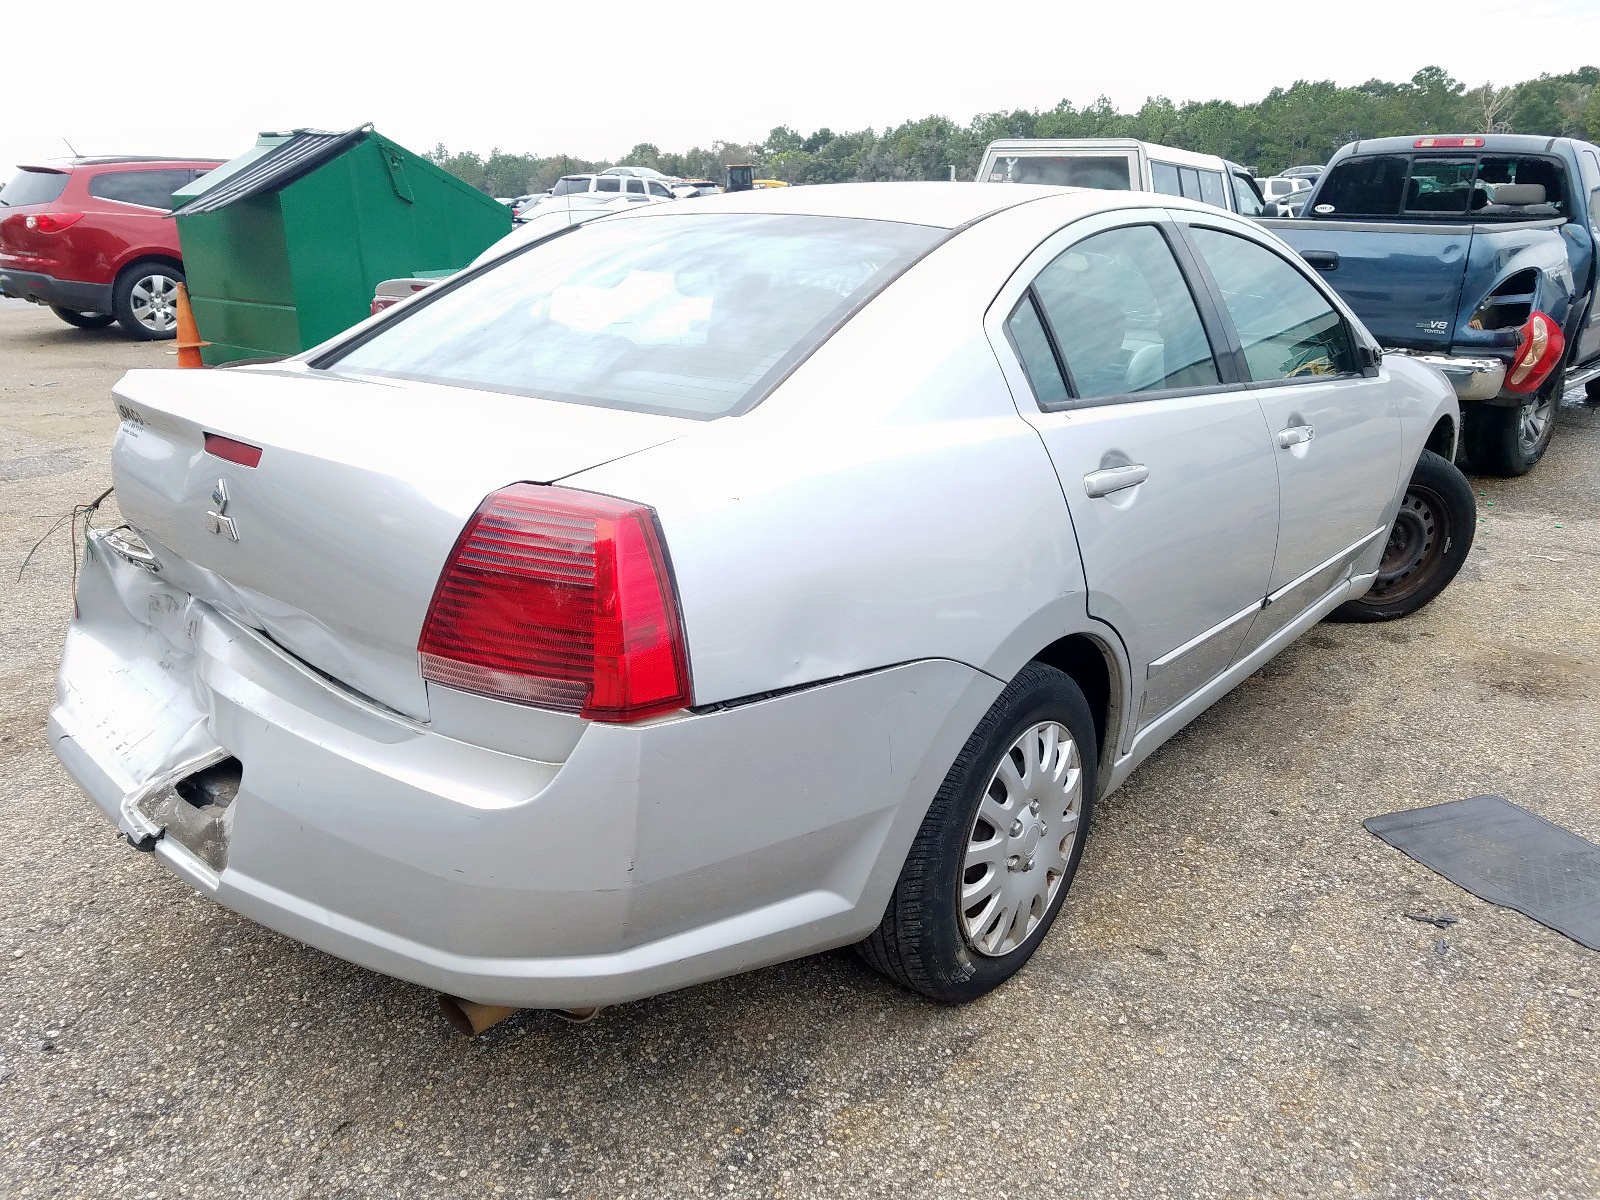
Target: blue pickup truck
{"x": 1477, "y": 254}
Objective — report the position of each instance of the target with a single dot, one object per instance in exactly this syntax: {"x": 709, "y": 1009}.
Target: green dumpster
{"x": 283, "y": 246}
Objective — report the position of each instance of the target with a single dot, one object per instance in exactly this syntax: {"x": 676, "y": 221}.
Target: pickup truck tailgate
{"x": 1403, "y": 281}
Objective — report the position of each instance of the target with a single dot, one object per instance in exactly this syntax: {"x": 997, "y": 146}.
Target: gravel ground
{"x": 1232, "y": 1004}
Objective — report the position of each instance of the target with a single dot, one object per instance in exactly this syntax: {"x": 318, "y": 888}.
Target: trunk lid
{"x": 1404, "y": 281}
{"x": 333, "y": 543}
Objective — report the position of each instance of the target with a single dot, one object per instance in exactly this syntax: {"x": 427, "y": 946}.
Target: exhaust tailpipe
{"x": 469, "y": 1018}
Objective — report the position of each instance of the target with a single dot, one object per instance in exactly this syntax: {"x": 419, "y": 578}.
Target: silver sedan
{"x": 711, "y": 585}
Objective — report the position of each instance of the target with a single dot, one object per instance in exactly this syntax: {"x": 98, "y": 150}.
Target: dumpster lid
{"x": 276, "y": 161}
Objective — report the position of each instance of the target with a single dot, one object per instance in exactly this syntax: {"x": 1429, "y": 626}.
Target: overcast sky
{"x": 591, "y": 79}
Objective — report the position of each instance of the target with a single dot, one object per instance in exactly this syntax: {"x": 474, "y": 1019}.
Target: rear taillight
{"x": 1537, "y": 356}
{"x": 379, "y": 303}
{"x": 560, "y": 599}
{"x": 52, "y": 222}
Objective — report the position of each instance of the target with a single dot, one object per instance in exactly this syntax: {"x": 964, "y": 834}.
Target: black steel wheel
{"x": 1428, "y": 541}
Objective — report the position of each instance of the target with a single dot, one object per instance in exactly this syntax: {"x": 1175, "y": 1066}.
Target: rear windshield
{"x": 33, "y": 187}
{"x": 1109, "y": 174}
{"x": 694, "y": 315}
{"x": 1454, "y": 186}
{"x": 569, "y": 184}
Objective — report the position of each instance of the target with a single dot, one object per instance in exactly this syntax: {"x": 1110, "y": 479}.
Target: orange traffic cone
{"x": 189, "y": 342}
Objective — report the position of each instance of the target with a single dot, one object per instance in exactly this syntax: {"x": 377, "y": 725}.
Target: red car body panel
{"x": 76, "y": 266}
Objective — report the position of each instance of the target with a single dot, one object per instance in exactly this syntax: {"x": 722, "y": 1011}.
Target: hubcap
{"x": 1021, "y": 840}
{"x": 1536, "y": 416}
{"x": 1417, "y": 540}
{"x": 154, "y": 300}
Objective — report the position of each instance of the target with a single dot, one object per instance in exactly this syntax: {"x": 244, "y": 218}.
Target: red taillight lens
{"x": 560, "y": 599}
{"x": 1539, "y": 354}
{"x": 379, "y": 303}
{"x": 52, "y": 222}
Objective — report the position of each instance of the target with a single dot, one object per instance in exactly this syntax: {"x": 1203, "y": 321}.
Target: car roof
{"x": 943, "y": 205}
{"x": 1493, "y": 143}
{"x": 61, "y": 165}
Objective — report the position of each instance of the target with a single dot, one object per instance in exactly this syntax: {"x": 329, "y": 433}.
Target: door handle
{"x": 1295, "y": 435}
{"x": 1322, "y": 260}
{"x": 1115, "y": 479}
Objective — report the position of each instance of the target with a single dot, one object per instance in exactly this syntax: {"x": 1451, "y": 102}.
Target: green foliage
{"x": 1303, "y": 123}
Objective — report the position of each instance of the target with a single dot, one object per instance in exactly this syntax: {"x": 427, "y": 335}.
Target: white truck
{"x": 1125, "y": 165}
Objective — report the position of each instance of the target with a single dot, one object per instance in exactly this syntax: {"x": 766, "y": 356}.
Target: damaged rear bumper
{"x": 655, "y": 856}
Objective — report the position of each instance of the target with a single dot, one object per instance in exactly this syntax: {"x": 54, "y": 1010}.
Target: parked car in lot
{"x": 717, "y": 583}
{"x": 601, "y": 187}
{"x": 1120, "y": 164}
{"x": 94, "y": 240}
{"x": 1477, "y": 254}
{"x": 1281, "y": 187}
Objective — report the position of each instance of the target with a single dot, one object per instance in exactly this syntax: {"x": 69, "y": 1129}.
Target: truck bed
{"x": 1418, "y": 285}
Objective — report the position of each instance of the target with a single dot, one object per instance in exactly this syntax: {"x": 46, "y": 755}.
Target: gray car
{"x": 715, "y": 584}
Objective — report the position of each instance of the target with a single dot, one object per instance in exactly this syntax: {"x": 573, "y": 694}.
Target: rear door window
{"x": 148, "y": 189}
{"x": 1189, "y": 181}
{"x": 34, "y": 187}
{"x": 1363, "y": 187}
{"x": 607, "y": 183}
{"x": 1287, "y": 327}
{"x": 1164, "y": 178}
{"x": 1123, "y": 317}
{"x": 1211, "y": 190}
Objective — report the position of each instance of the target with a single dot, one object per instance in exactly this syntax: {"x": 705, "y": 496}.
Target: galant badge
{"x": 219, "y": 519}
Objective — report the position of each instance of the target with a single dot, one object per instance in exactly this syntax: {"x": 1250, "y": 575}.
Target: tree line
{"x": 1304, "y": 123}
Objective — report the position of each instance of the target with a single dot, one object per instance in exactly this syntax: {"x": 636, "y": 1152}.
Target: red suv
{"x": 93, "y": 239}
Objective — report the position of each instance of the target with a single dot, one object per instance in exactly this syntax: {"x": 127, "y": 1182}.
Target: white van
{"x": 1123, "y": 165}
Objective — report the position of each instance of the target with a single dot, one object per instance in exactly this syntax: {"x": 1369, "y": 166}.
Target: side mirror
{"x": 1370, "y": 357}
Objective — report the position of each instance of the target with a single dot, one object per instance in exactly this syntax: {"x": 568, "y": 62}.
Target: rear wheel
{"x": 1510, "y": 441}
{"x": 996, "y": 853}
{"x": 146, "y": 300}
{"x": 1428, "y": 542}
{"x": 83, "y": 320}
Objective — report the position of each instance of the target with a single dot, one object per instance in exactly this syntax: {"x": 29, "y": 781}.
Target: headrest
{"x": 1518, "y": 194}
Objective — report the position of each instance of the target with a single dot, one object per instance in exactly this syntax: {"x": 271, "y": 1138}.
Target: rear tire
{"x": 83, "y": 320}
{"x": 1510, "y": 441}
{"x": 1428, "y": 542}
{"x": 999, "y": 847}
{"x": 145, "y": 300}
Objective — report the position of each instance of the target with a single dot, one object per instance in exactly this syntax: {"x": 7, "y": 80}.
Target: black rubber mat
{"x": 1505, "y": 855}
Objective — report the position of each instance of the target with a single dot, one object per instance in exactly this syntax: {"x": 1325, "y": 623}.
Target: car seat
{"x": 1519, "y": 200}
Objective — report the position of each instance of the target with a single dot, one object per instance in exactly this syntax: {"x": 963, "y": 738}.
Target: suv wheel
{"x": 996, "y": 853}
{"x": 83, "y": 320}
{"x": 146, "y": 300}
